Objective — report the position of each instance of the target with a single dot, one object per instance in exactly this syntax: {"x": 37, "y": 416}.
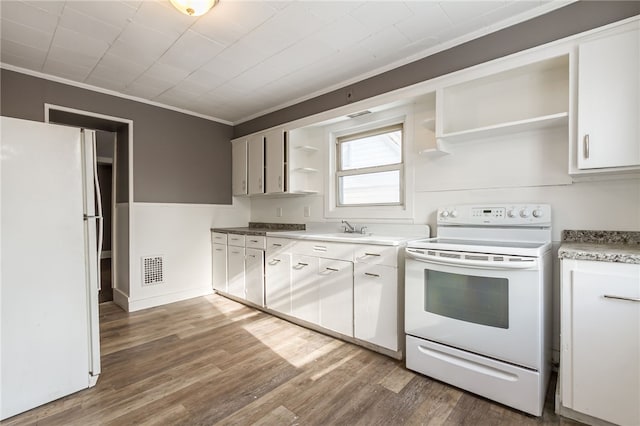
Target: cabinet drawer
{"x": 235, "y": 240}
{"x": 275, "y": 244}
{"x": 324, "y": 249}
{"x": 255, "y": 241}
{"x": 218, "y": 238}
{"x": 378, "y": 255}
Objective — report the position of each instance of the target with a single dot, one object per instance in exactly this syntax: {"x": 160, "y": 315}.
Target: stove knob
{"x": 511, "y": 213}
{"x": 444, "y": 213}
{"x": 524, "y": 213}
{"x": 537, "y": 213}
{"x": 454, "y": 213}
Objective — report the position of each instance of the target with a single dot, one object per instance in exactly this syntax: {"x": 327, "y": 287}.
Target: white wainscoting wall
{"x": 181, "y": 234}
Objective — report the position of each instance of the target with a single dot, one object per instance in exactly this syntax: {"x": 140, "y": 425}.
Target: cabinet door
{"x": 375, "y": 304}
{"x": 275, "y": 159}
{"x": 235, "y": 267}
{"x": 277, "y": 276}
{"x": 609, "y": 101}
{"x": 219, "y": 267}
{"x": 305, "y": 303}
{"x": 602, "y": 343}
{"x": 336, "y": 295}
{"x": 255, "y": 165}
{"x": 254, "y": 276}
{"x": 239, "y": 166}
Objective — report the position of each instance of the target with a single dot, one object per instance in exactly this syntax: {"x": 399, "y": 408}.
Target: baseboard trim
{"x": 121, "y": 299}
{"x": 164, "y": 299}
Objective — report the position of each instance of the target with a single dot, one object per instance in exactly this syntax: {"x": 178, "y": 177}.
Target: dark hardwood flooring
{"x": 210, "y": 360}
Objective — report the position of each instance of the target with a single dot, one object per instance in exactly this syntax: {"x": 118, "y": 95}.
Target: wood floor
{"x": 210, "y": 360}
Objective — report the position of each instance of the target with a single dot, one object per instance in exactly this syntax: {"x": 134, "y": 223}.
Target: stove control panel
{"x": 496, "y": 215}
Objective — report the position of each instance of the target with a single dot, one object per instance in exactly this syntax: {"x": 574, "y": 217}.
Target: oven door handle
{"x": 482, "y": 264}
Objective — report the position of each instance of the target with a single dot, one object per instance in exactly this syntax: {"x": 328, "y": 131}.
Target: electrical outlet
{"x": 307, "y": 211}
{"x": 278, "y": 211}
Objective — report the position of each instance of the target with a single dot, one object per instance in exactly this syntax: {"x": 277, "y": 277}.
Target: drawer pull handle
{"x": 218, "y": 249}
{"x": 628, "y": 299}
{"x": 274, "y": 261}
{"x": 585, "y": 145}
{"x": 253, "y": 241}
{"x": 302, "y": 264}
{"x": 277, "y": 245}
{"x": 332, "y": 269}
{"x": 319, "y": 248}
{"x": 372, "y": 254}
{"x": 369, "y": 274}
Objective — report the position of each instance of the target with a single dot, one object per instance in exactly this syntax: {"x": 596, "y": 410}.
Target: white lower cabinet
{"x": 375, "y": 304}
{"x": 277, "y": 284}
{"x": 254, "y": 276}
{"x": 305, "y": 299}
{"x": 219, "y": 267}
{"x": 335, "y": 285}
{"x": 235, "y": 267}
{"x": 600, "y": 340}
{"x": 319, "y": 283}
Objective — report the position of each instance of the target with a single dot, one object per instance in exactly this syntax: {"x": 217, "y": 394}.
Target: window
{"x": 369, "y": 167}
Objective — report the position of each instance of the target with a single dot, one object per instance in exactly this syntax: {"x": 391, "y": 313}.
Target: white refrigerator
{"x": 49, "y": 279}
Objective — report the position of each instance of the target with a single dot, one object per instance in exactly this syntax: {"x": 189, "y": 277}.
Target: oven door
{"x": 489, "y": 305}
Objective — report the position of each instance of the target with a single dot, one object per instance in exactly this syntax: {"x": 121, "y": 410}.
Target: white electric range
{"x": 478, "y": 302}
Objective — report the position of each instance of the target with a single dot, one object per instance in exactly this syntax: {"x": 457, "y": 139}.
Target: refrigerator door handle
{"x": 99, "y": 204}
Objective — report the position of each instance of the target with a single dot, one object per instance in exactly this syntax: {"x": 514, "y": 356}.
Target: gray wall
{"x": 572, "y": 19}
{"x": 177, "y": 158}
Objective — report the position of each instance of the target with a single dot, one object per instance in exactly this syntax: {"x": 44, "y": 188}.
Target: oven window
{"x": 480, "y": 300}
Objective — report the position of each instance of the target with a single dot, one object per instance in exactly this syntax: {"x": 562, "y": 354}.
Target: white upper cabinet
{"x": 609, "y": 100}
{"x": 239, "y": 166}
{"x": 276, "y": 161}
{"x": 255, "y": 164}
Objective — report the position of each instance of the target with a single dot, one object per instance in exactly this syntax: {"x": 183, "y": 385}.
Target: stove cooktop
{"x": 522, "y": 248}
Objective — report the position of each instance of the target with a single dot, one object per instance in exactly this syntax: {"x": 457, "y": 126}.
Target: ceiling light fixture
{"x": 193, "y": 7}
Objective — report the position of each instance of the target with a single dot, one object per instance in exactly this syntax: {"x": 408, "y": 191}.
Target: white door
{"x": 375, "y": 304}
{"x": 235, "y": 270}
{"x": 219, "y": 267}
{"x": 609, "y": 101}
{"x": 45, "y": 333}
{"x": 239, "y": 166}
{"x": 335, "y": 284}
{"x": 305, "y": 298}
{"x": 277, "y": 284}
{"x": 254, "y": 276}
{"x": 601, "y": 340}
{"x": 275, "y": 159}
{"x": 255, "y": 165}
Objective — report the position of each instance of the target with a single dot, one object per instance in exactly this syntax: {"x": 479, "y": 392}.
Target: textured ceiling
{"x": 243, "y": 58}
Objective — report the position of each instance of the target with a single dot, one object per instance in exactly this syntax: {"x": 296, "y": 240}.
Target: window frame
{"x": 373, "y": 131}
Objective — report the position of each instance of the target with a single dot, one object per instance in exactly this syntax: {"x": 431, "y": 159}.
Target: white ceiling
{"x": 243, "y": 58}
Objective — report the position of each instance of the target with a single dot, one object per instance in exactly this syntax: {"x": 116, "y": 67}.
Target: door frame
{"x": 114, "y": 221}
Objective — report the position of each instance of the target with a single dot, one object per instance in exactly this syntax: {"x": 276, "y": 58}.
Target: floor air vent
{"x": 152, "y": 270}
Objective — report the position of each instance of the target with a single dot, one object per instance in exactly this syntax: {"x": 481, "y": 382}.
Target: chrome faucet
{"x": 348, "y": 227}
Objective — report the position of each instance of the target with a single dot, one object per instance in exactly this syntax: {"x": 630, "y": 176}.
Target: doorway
{"x": 113, "y": 151}
{"x": 105, "y": 152}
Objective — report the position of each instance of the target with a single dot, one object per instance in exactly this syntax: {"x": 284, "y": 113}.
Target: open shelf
{"x": 536, "y": 123}
{"x": 429, "y": 124}
{"x": 439, "y": 151}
